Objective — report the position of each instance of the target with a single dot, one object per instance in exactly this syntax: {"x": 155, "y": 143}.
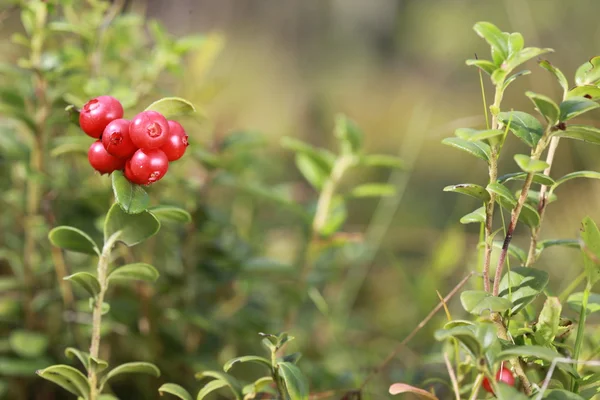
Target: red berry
{"x": 147, "y": 166}
{"x": 129, "y": 175}
{"x": 149, "y": 130}
{"x": 101, "y": 161}
{"x": 177, "y": 141}
{"x": 502, "y": 376}
{"x": 116, "y": 139}
{"x": 97, "y": 113}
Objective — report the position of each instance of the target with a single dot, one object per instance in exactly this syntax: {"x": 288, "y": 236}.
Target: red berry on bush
{"x": 116, "y": 140}
{"x": 149, "y": 130}
{"x": 97, "y": 113}
{"x": 147, "y": 166}
{"x": 502, "y": 376}
{"x": 177, "y": 141}
{"x": 103, "y": 162}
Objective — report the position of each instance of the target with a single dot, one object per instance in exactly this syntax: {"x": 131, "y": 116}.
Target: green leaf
{"x": 548, "y": 321}
{"x": 506, "y": 392}
{"x": 523, "y": 56}
{"x": 486, "y": 66}
{"x": 575, "y": 106}
{"x": 73, "y": 239}
{"x": 577, "y": 174}
{"x": 528, "y": 164}
{"x": 243, "y": 359}
{"x": 374, "y": 190}
{"x": 529, "y": 216}
{"x": 170, "y": 213}
{"x": 545, "y": 106}
{"x": 475, "y": 135}
{"x": 134, "y": 228}
{"x": 132, "y": 198}
{"x": 478, "y": 149}
{"x": 324, "y": 158}
{"x": 261, "y": 385}
{"x": 521, "y": 176}
{"x": 381, "y": 160}
{"x": 511, "y": 78}
{"x": 97, "y": 364}
{"x": 525, "y": 285}
{"x": 28, "y": 344}
{"x": 502, "y": 192}
{"x": 477, "y": 216}
{"x": 171, "y": 107}
{"x": 544, "y": 244}
{"x": 68, "y": 378}
{"x": 470, "y": 189}
{"x": 295, "y": 382}
{"x": 560, "y": 77}
{"x": 497, "y": 40}
{"x": 524, "y": 126}
{"x": 135, "y": 271}
{"x": 82, "y": 356}
{"x": 399, "y": 388}
{"x": 589, "y": 92}
{"x": 536, "y": 352}
{"x": 137, "y": 367}
{"x": 234, "y": 384}
{"x": 175, "y": 390}
{"x": 336, "y": 216}
{"x": 561, "y": 394}
{"x": 591, "y": 239}
{"x": 349, "y": 133}
{"x": 576, "y": 299}
{"x": 478, "y": 301}
{"x": 311, "y": 170}
{"x": 588, "y": 73}
{"x": 87, "y": 281}
{"x": 515, "y": 43}
{"x": 580, "y": 132}
{"x": 210, "y": 387}
{"x": 513, "y": 251}
{"x": 465, "y": 334}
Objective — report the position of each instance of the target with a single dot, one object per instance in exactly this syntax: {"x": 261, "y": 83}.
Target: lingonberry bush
{"x": 513, "y": 335}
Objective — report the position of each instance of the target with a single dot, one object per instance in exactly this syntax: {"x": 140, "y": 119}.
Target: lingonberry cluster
{"x": 142, "y": 147}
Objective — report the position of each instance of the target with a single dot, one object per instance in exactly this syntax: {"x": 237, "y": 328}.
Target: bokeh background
{"x": 397, "y": 68}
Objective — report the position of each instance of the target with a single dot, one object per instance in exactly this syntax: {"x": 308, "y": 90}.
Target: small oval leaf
{"x": 470, "y": 189}
{"x": 138, "y": 367}
{"x": 68, "y": 378}
{"x": 175, "y": 390}
{"x": 135, "y": 271}
{"x": 254, "y": 359}
{"x": 478, "y": 301}
{"x": 295, "y": 382}
{"x": 171, "y": 213}
{"x": 134, "y": 228}
{"x": 73, "y": 239}
{"x": 132, "y": 198}
{"x": 171, "y": 106}
{"x": 87, "y": 281}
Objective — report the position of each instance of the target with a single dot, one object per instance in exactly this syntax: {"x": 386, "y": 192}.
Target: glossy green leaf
{"x": 589, "y": 92}
{"x": 470, "y": 189}
{"x": 523, "y": 56}
{"x": 576, "y": 299}
{"x": 136, "y": 271}
{"x": 535, "y": 352}
{"x": 486, "y": 66}
{"x": 588, "y": 73}
{"x": 533, "y": 197}
{"x": 82, "y": 356}
{"x": 374, "y": 190}
{"x": 478, "y": 301}
{"x": 85, "y": 280}
{"x": 465, "y": 334}
{"x": 524, "y": 126}
{"x": 521, "y": 176}
{"x": 529, "y": 215}
{"x": 295, "y": 381}
{"x": 28, "y": 344}
{"x": 134, "y": 228}
{"x": 525, "y": 285}
{"x": 591, "y": 239}
{"x": 544, "y": 244}
{"x": 132, "y": 198}
{"x": 175, "y": 390}
{"x": 68, "y": 378}
{"x": 312, "y": 171}
{"x": 580, "y": 132}
{"x": 477, "y": 216}
{"x": 515, "y": 43}
{"x": 171, "y": 107}
{"x": 400, "y": 388}
{"x": 528, "y": 164}
{"x": 502, "y": 192}
{"x": 381, "y": 160}
{"x": 292, "y": 358}
{"x": 548, "y": 321}
{"x": 497, "y": 40}
{"x": 577, "y": 174}
{"x": 170, "y": 214}
{"x": 575, "y": 106}
{"x": 210, "y": 387}
{"x": 73, "y": 239}
{"x": 546, "y": 106}
{"x": 560, "y": 77}
{"x": 349, "y": 133}
{"x": 253, "y": 359}
{"x": 137, "y": 367}
{"x": 228, "y": 380}
{"x": 261, "y": 385}
{"x": 478, "y": 149}
{"x": 97, "y": 364}
{"x": 561, "y": 394}
{"x": 514, "y": 76}
{"x": 506, "y": 392}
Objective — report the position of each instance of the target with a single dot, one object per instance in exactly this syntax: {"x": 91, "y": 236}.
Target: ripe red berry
{"x": 149, "y": 130}
{"x": 177, "y": 141}
{"x": 129, "y": 175}
{"x": 116, "y": 139}
{"x": 101, "y": 161}
{"x": 502, "y": 376}
{"x": 147, "y": 166}
{"x": 97, "y": 113}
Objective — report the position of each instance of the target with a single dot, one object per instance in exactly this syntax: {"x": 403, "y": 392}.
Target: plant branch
{"x": 476, "y": 387}
{"x": 452, "y": 376}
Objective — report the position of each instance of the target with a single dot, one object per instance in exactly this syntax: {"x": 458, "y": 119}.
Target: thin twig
{"x": 452, "y": 376}
{"x": 421, "y": 324}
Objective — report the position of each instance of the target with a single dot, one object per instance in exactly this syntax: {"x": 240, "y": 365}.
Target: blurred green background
{"x": 396, "y": 67}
